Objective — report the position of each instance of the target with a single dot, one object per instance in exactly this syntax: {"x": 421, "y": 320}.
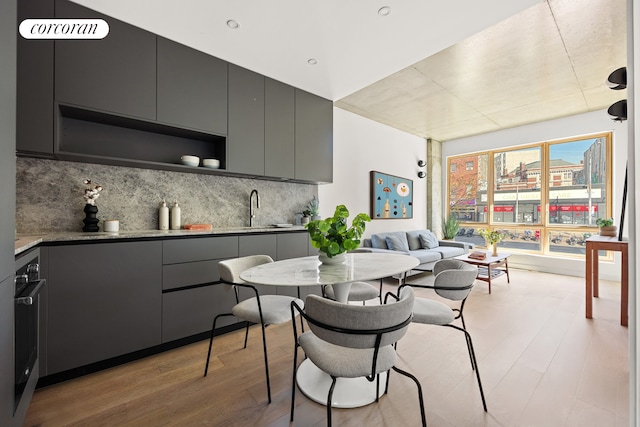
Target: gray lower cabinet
{"x": 192, "y": 88}
{"x": 104, "y": 300}
{"x": 192, "y": 294}
{"x": 116, "y": 74}
{"x": 245, "y": 139}
{"x": 314, "y": 138}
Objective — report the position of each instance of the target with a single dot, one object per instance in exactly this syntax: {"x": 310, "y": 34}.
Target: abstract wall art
{"x": 391, "y": 196}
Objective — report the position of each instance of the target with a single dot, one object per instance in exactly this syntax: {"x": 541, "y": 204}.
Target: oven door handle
{"x": 33, "y": 289}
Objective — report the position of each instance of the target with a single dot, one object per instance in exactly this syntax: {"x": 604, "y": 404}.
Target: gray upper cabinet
{"x": 192, "y": 88}
{"x": 279, "y": 129}
{"x": 116, "y": 74}
{"x": 245, "y": 140}
{"x": 314, "y": 138}
{"x": 35, "y": 85}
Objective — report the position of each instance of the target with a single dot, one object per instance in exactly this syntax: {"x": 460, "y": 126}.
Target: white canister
{"x": 176, "y": 220}
{"x": 111, "y": 225}
{"x": 163, "y": 216}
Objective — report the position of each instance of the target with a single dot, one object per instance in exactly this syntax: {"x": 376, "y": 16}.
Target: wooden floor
{"x": 542, "y": 364}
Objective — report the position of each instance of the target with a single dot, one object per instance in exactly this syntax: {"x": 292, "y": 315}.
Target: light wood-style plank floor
{"x": 542, "y": 364}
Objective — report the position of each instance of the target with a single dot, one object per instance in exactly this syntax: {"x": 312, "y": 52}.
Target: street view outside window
{"x": 544, "y": 198}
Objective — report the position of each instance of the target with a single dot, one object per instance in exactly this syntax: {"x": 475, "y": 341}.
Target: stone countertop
{"x": 27, "y": 241}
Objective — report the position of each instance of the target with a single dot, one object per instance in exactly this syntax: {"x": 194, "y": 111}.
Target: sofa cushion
{"x": 397, "y": 242}
{"x": 428, "y": 240}
{"x": 449, "y": 251}
{"x": 413, "y": 237}
{"x": 379, "y": 240}
{"x": 426, "y": 255}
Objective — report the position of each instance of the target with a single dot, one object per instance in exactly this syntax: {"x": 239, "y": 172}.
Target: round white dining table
{"x": 308, "y": 271}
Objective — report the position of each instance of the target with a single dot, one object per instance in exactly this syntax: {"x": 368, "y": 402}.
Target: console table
{"x": 606, "y": 243}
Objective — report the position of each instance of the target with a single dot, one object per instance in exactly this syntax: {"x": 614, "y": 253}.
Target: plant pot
{"x": 608, "y": 231}
{"x": 336, "y": 259}
{"x": 495, "y": 250}
{"x": 305, "y": 220}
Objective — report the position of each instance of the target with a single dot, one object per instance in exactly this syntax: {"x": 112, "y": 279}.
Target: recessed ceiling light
{"x": 384, "y": 11}
{"x": 312, "y": 61}
{"x": 233, "y": 24}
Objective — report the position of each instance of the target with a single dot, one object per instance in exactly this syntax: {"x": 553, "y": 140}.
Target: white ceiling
{"x": 482, "y": 71}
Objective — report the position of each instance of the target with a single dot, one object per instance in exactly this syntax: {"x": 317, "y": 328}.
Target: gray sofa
{"x": 422, "y": 244}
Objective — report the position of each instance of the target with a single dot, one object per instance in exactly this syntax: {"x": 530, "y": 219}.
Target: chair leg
{"x": 266, "y": 361}
{"x": 471, "y": 358}
{"x": 246, "y": 335}
{"x": 293, "y": 383}
{"x": 474, "y": 362}
{"x": 420, "y": 397}
{"x": 330, "y": 399}
{"x": 213, "y": 328}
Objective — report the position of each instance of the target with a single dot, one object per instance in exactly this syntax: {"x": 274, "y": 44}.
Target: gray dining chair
{"x": 352, "y": 341}
{"x": 453, "y": 281}
{"x": 359, "y": 291}
{"x": 260, "y": 309}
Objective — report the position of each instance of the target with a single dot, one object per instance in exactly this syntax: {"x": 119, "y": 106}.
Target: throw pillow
{"x": 378, "y": 241}
{"x": 397, "y": 242}
{"x": 428, "y": 240}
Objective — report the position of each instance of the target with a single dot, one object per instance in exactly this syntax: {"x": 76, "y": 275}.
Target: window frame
{"x": 545, "y": 227}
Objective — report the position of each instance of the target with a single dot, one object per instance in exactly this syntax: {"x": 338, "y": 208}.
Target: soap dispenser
{"x": 175, "y": 216}
{"x": 163, "y": 216}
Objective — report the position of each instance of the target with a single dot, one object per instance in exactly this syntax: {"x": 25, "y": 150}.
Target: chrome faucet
{"x": 251, "y": 213}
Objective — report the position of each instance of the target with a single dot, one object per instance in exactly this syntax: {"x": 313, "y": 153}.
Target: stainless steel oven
{"x": 28, "y": 285}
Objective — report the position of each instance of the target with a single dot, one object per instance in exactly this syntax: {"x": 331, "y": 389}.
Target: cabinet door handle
{"x": 33, "y": 290}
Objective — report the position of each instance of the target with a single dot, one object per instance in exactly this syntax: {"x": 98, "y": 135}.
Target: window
{"x": 468, "y": 187}
{"x": 544, "y": 197}
{"x": 516, "y": 186}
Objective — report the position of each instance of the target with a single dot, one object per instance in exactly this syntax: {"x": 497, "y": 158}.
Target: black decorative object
{"x": 617, "y": 80}
{"x": 618, "y": 111}
{"x": 90, "y": 221}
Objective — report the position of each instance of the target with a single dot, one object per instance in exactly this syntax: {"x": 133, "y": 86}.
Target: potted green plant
{"x": 492, "y": 237}
{"x": 313, "y": 209}
{"x": 606, "y": 227}
{"x": 332, "y": 236}
{"x": 450, "y": 227}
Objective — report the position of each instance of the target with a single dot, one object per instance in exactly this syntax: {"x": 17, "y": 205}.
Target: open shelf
{"x": 96, "y": 137}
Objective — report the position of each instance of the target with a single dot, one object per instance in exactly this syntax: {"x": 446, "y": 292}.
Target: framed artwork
{"x": 391, "y": 196}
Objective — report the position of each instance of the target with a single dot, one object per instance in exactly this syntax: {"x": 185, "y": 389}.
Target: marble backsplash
{"x": 49, "y": 197}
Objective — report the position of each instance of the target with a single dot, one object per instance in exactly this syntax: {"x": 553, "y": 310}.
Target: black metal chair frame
{"x": 246, "y": 335}
{"x": 378, "y": 332}
{"x": 470, "y": 349}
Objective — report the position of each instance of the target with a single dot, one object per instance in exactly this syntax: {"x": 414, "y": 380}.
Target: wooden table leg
{"x": 489, "y": 276}
{"x": 624, "y": 283}
{"x": 589, "y": 282}
{"x": 595, "y": 274}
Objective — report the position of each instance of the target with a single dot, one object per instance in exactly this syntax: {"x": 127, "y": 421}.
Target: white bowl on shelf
{"x": 211, "y": 163}
{"x": 190, "y": 160}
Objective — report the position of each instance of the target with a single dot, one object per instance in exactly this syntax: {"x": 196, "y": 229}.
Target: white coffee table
{"x": 489, "y": 268}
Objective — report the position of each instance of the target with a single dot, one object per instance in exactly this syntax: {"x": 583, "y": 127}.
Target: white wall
{"x": 361, "y": 145}
{"x": 572, "y": 126}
